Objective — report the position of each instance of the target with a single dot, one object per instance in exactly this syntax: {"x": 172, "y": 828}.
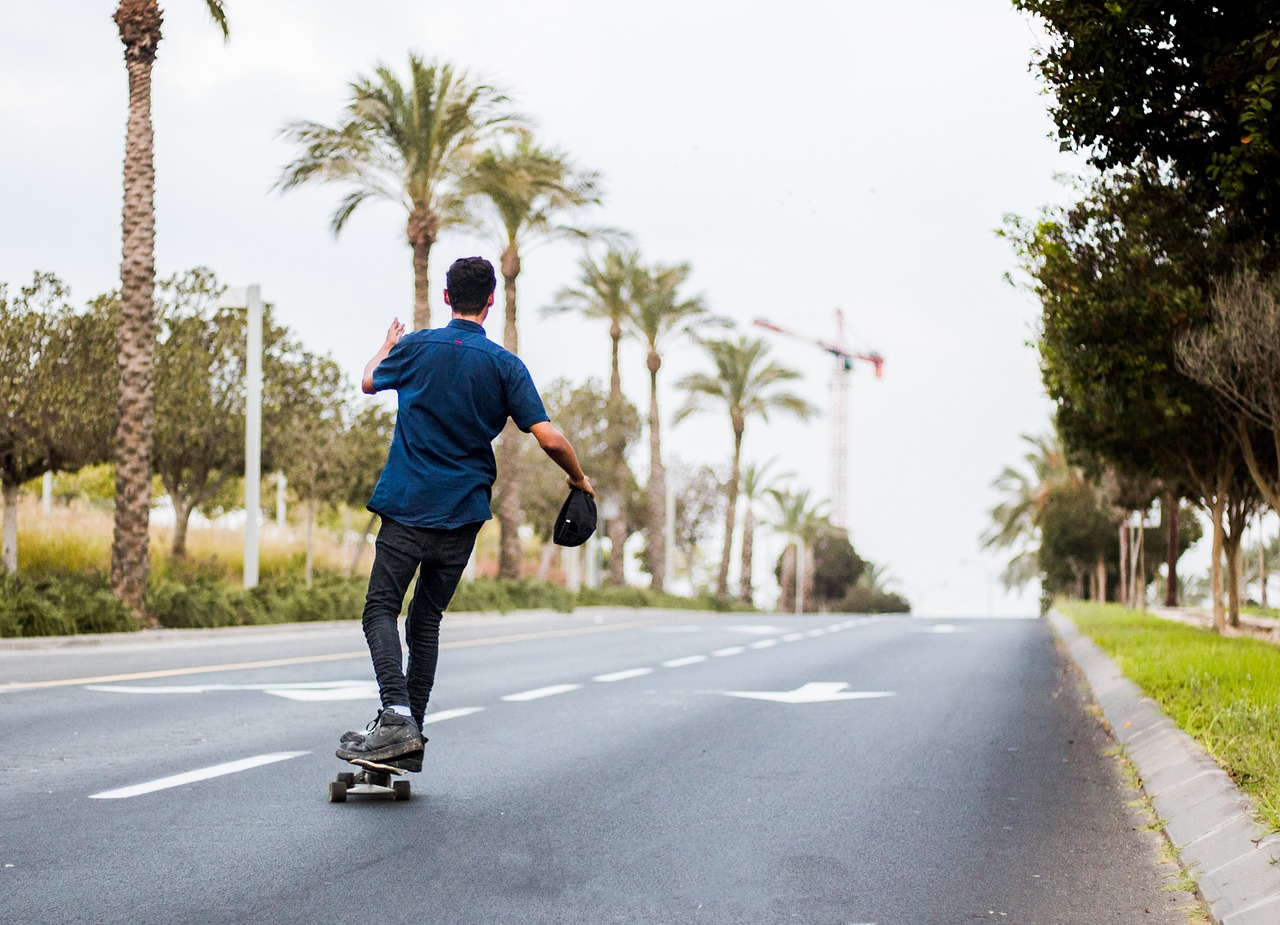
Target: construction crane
{"x": 841, "y": 380}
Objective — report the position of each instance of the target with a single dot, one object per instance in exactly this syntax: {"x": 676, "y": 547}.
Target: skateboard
{"x": 373, "y": 779}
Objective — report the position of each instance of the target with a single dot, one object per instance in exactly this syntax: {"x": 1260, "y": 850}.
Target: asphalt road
{"x": 650, "y": 768}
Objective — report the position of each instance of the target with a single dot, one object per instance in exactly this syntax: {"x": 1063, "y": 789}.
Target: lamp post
{"x": 250, "y": 298}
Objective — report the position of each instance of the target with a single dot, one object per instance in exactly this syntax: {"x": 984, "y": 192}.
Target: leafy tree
{"x": 579, "y": 412}
{"x": 314, "y": 438}
{"x": 408, "y": 142}
{"x": 745, "y": 383}
{"x": 57, "y": 388}
{"x": 699, "y": 503}
{"x": 527, "y": 189}
{"x": 139, "y": 23}
{"x": 1122, "y": 276}
{"x": 1182, "y": 82}
{"x": 659, "y": 314}
{"x": 837, "y": 567}
{"x": 604, "y": 293}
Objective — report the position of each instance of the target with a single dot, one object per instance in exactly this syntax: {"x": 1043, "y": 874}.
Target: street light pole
{"x": 250, "y": 298}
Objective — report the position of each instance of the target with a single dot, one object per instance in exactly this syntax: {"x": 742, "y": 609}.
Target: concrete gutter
{"x": 1210, "y": 823}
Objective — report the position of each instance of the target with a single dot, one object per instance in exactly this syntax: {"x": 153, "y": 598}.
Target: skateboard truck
{"x": 369, "y": 781}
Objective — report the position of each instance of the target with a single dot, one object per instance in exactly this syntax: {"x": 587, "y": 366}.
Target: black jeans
{"x": 401, "y": 551}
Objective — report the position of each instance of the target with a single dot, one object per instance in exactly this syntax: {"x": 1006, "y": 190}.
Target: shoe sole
{"x": 377, "y": 766}
{"x": 386, "y": 753}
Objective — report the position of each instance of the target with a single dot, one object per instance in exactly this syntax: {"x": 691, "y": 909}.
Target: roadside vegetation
{"x": 1222, "y": 691}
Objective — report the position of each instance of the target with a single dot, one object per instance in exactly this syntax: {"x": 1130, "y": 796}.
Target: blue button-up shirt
{"x": 455, "y": 389}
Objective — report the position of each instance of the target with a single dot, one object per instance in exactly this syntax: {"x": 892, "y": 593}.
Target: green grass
{"x": 1224, "y": 692}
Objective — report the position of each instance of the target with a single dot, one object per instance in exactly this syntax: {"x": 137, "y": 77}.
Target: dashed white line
{"x": 687, "y": 660}
{"x": 793, "y": 637}
{"x": 539, "y": 693}
{"x": 450, "y": 714}
{"x": 190, "y": 777}
{"x": 732, "y": 650}
{"x": 818, "y": 632}
{"x": 623, "y": 675}
{"x": 762, "y": 644}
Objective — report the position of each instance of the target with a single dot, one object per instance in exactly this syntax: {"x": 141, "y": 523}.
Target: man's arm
{"x": 555, "y": 445}
{"x": 394, "y": 333}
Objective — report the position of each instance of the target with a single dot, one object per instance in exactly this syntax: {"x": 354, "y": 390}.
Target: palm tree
{"x": 1016, "y": 519}
{"x": 139, "y": 23}
{"x": 745, "y": 383}
{"x": 798, "y": 518}
{"x": 604, "y": 293}
{"x": 527, "y": 189}
{"x": 756, "y": 481}
{"x": 658, "y": 315}
{"x": 409, "y": 143}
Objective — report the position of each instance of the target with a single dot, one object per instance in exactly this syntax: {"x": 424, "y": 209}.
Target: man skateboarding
{"x": 455, "y": 391}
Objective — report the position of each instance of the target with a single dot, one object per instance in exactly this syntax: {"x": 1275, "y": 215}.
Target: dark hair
{"x": 470, "y": 282}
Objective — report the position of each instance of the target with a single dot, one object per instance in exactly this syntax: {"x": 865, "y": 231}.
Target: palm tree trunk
{"x": 139, "y": 22}
{"x": 509, "y": 513}
{"x": 1122, "y": 594}
{"x": 807, "y": 582}
{"x": 617, "y": 464}
{"x": 730, "y": 517}
{"x": 9, "y": 533}
{"x": 657, "y": 499}
{"x": 424, "y": 227}
{"x": 748, "y": 541}
{"x": 787, "y": 580}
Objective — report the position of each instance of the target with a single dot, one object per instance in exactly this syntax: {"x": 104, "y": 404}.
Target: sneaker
{"x": 392, "y": 736}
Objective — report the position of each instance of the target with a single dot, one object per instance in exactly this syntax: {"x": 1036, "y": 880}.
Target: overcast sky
{"x": 801, "y": 156}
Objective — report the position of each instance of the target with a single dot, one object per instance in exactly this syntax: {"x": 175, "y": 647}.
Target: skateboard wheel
{"x": 348, "y": 778}
{"x": 401, "y": 789}
{"x": 337, "y": 791}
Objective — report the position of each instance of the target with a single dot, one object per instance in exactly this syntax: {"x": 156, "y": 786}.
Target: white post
{"x": 282, "y": 486}
{"x": 572, "y": 561}
{"x": 46, "y": 497}
{"x": 253, "y": 437}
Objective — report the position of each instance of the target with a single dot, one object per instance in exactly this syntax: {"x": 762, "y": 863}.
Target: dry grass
{"x": 77, "y": 538}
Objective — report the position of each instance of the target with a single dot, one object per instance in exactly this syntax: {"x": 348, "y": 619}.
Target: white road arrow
{"x": 813, "y": 692}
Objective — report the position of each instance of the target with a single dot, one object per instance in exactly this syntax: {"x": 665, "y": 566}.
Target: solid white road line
{"x": 541, "y": 692}
{"x": 190, "y": 777}
{"x": 623, "y": 675}
{"x": 687, "y": 660}
{"x": 732, "y": 650}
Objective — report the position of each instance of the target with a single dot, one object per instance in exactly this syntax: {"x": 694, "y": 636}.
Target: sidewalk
{"x": 1257, "y": 627}
{"x": 1208, "y": 820}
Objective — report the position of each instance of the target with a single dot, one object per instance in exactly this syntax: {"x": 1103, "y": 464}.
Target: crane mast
{"x": 840, "y": 389}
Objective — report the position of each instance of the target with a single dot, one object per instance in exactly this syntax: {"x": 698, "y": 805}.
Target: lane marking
{"x": 732, "y": 650}
{"x": 311, "y": 659}
{"x": 623, "y": 675}
{"x": 307, "y": 692}
{"x": 793, "y": 637}
{"x": 539, "y": 693}
{"x": 450, "y": 714}
{"x": 813, "y": 692}
{"x": 762, "y": 644}
{"x": 687, "y": 660}
{"x": 815, "y": 633}
{"x": 190, "y": 777}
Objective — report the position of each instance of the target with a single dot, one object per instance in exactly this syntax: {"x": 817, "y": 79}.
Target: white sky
{"x": 800, "y": 156}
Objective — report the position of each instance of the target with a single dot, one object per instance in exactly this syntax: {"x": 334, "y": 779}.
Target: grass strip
{"x": 1222, "y": 691}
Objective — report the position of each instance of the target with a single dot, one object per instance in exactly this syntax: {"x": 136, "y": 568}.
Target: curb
{"x": 1206, "y": 818}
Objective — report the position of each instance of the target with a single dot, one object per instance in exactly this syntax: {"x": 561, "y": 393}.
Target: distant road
{"x": 629, "y": 767}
